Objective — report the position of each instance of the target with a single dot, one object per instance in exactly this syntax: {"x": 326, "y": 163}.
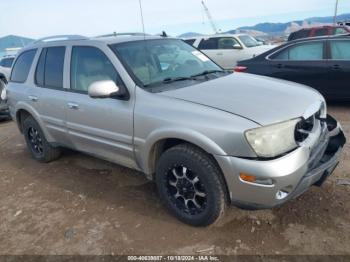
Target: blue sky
{"x": 39, "y": 18}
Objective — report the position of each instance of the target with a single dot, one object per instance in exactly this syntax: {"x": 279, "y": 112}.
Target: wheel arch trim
{"x": 21, "y": 106}
{"x": 147, "y": 146}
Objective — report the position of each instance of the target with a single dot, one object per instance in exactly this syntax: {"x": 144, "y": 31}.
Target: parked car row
{"x": 227, "y": 49}
{"x": 322, "y": 63}
{"x": 208, "y": 137}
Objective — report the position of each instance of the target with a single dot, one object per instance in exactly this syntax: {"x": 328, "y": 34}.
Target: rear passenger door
{"x": 50, "y": 95}
{"x": 303, "y": 63}
{"x": 102, "y": 127}
{"x": 339, "y": 69}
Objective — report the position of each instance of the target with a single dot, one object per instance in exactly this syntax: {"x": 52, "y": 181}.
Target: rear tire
{"x": 190, "y": 185}
{"x": 40, "y": 149}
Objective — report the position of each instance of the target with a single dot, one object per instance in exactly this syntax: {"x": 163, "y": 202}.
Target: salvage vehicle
{"x": 322, "y": 63}
{"x": 209, "y": 138}
{"x": 227, "y": 49}
{"x": 327, "y": 30}
{"x": 5, "y": 70}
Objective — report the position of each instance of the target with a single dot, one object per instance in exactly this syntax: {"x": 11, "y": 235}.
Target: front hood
{"x": 261, "y": 99}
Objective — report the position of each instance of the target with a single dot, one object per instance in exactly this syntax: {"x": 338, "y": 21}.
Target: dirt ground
{"x": 82, "y": 205}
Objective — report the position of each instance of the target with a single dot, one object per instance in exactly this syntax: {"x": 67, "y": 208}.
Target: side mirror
{"x": 237, "y": 46}
{"x": 104, "y": 89}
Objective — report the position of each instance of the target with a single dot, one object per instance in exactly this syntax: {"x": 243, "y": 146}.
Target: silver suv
{"x": 206, "y": 136}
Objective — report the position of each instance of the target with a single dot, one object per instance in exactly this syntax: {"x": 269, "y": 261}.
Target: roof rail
{"x": 123, "y": 34}
{"x": 60, "y": 38}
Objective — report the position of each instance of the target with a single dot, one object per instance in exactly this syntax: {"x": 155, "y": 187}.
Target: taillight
{"x": 240, "y": 69}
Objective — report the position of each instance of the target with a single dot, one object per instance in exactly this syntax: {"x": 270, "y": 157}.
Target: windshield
{"x": 248, "y": 41}
{"x": 159, "y": 61}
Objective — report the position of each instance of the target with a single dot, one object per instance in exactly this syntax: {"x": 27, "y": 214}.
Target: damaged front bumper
{"x": 291, "y": 174}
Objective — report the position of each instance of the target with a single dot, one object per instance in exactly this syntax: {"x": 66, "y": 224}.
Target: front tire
{"x": 190, "y": 185}
{"x": 37, "y": 144}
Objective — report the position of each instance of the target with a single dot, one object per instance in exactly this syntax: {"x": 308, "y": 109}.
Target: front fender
{"x": 144, "y": 147}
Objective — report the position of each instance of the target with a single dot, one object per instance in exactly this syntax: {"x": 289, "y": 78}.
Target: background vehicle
{"x": 322, "y": 63}
{"x": 5, "y": 71}
{"x": 206, "y": 136}
{"x": 5, "y": 68}
{"x": 328, "y": 30}
{"x": 227, "y": 49}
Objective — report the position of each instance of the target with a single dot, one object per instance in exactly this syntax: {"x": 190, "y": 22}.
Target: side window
{"x": 321, "y": 32}
{"x": 227, "y": 43}
{"x": 88, "y": 65}
{"x": 22, "y": 66}
{"x": 190, "y": 41}
{"x": 340, "y": 50}
{"x": 40, "y": 69}
{"x": 49, "y": 71}
{"x": 302, "y": 52}
{"x": 207, "y": 44}
{"x": 340, "y": 31}
{"x": 6, "y": 62}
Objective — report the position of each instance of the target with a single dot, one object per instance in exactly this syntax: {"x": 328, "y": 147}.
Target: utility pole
{"x": 335, "y": 12}
{"x": 209, "y": 17}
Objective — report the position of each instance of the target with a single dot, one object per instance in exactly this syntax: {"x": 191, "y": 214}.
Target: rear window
{"x": 22, "y": 66}
{"x": 49, "y": 72}
{"x": 207, "y": 44}
{"x": 190, "y": 41}
{"x": 7, "y": 62}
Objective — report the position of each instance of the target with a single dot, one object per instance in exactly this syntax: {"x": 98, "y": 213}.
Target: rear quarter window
{"x": 22, "y": 66}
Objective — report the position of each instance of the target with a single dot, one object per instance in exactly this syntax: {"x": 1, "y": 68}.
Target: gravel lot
{"x": 82, "y": 205}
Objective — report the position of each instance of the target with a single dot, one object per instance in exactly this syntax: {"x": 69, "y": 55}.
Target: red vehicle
{"x": 319, "y": 31}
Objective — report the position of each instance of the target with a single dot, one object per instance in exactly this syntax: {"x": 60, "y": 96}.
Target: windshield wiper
{"x": 175, "y": 79}
{"x": 207, "y": 72}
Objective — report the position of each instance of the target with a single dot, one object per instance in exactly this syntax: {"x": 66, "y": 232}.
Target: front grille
{"x": 304, "y": 128}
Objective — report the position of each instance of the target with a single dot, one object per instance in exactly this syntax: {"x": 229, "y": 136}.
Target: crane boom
{"x": 209, "y": 17}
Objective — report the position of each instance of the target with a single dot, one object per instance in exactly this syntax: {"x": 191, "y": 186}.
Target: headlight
{"x": 3, "y": 94}
{"x": 273, "y": 140}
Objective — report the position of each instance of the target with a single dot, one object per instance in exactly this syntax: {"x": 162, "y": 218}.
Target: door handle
{"x": 73, "y": 105}
{"x": 336, "y": 67}
{"x": 33, "y": 98}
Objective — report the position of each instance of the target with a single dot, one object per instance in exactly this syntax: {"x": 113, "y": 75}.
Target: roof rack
{"x": 123, "y": 34}
{"x": 60, "y": 38}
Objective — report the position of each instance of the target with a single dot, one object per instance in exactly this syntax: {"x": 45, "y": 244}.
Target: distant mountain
{"x": 13, "y": 41}
{"x": 279, "y": 28}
